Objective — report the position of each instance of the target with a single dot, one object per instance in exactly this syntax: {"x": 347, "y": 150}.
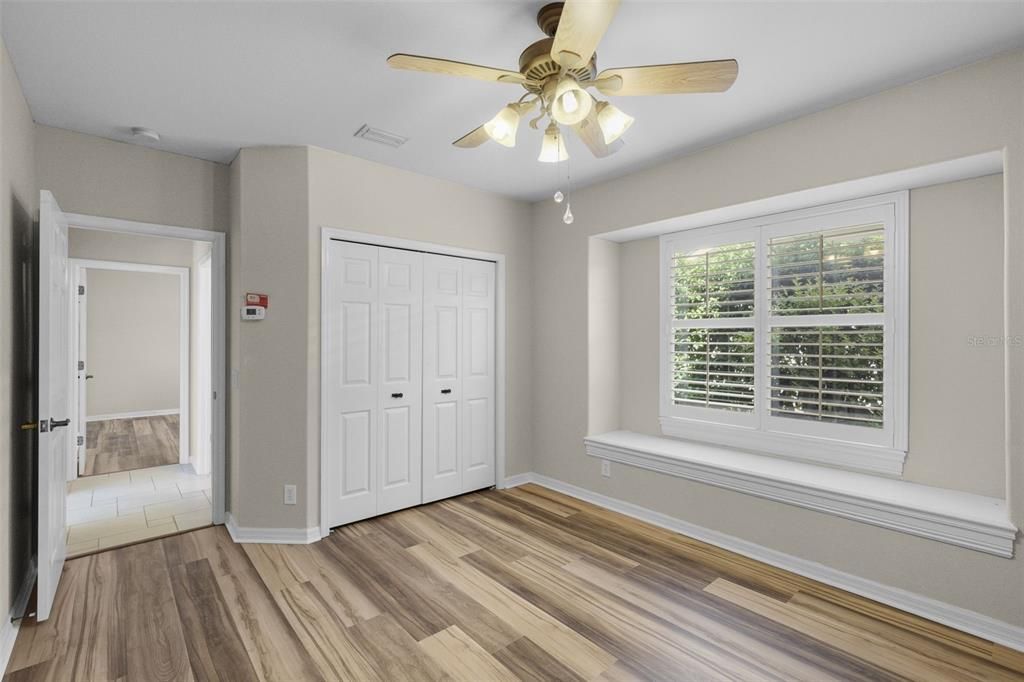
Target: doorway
{"x": 143, "y": 337}
{"x": 126, "y": 501}
{"x": 131, "y": 326}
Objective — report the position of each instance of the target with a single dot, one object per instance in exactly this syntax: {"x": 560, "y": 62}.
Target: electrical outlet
{"x": 290, "y": 494}
{"x": 606, "y": 468}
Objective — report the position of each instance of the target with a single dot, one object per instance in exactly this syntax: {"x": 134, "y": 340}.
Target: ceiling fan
{"x": 556, "y": 73}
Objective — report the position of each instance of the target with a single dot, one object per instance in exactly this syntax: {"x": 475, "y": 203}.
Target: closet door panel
{"x": 352, "y": 381}
{"x": 478, "y": 380}
{"x": 442, "y": 377}
{"x": 401, "y": 385}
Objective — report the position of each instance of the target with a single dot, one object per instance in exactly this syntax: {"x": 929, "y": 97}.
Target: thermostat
{"x": 253, "y": 312}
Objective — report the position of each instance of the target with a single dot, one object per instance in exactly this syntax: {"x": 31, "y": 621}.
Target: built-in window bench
{"x": 958, "y": 518}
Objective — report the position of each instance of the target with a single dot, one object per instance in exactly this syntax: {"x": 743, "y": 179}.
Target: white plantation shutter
{"x": 712, "y": 310}
{"x": 792, "y": 327}
{"x": 821, "y": 367}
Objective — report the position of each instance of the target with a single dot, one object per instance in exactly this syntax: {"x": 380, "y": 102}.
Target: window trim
{"x": 811, "y": 441}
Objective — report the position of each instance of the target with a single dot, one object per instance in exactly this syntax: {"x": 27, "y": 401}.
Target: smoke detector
{"x": 143, "y": 134}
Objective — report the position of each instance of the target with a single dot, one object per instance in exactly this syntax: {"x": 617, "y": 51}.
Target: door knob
{"x": 446, "y": 390}
{"x": 397, "y": 395}
{"x": 89, "y": 376}
{"x": 55, "y": 423}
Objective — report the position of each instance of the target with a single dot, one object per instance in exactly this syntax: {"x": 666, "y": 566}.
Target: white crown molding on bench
{"x": 9, "y": 629}
{"x": 131, "y": 415}
{"x": 956, "y": 617}
{"x": 957, "y": 518}
{"x": 270, "y": 536}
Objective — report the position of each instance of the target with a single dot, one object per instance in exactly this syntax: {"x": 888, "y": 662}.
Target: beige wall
{"x": 975, "y": 109}
{"x": 956, "y": 387}
{"x": 132, "y": 332}
{"x": 269, "y": 241}
{"x": 286, "y": 195}
{"x": 603, "y": 331}
{"x": 128, "y": 248}
{"x": 19, "y": 208}
{"x": 101, "y": 177}
{"x": 353, "y": 194}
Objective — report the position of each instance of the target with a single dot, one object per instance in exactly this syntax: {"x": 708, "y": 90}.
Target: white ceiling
{"x": 214, "y": 77}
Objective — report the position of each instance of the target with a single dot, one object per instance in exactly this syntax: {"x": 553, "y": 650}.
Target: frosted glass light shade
{"x": 502, "y": 128}
{"x": 612, "y": 121}
{"x": 552, "y": 149}
{"x": 570, "y": 103}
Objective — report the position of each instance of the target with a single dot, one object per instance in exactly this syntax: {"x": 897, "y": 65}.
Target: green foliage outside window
{"x": 830, "y": 372}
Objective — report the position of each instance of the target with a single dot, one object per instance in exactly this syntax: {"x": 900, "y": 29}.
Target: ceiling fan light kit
{"x": 557, "y": 71}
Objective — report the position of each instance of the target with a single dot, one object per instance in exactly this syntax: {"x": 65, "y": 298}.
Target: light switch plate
{"x": 606, "y": 468}
{"x": 290, "y": 494}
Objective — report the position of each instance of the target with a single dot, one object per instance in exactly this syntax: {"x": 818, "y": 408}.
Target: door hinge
{"x": 81, "y": 365}
{"x": 81, "y": 290}
{"x": 80, "y": 440}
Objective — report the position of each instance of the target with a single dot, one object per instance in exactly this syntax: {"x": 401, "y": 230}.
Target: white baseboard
{"x": 271, "y": 536}
{"x": 9, "y": 629}
{"x": 956, "y": 617}
{"x": 131, "y": 415}
{"x": 517, "y": 479}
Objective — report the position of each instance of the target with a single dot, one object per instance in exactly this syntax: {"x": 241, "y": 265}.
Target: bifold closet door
{"x": 373, "y": 374}
{"x": 458, "y": 376}
{"x": 400, "y": 456}
{"x": 442, "y": 376}
{"x": 478, "y": 374}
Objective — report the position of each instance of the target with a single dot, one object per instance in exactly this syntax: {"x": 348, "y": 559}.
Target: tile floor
{"x": 128, "y": 506}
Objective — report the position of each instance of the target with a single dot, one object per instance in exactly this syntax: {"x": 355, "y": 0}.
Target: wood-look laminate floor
{"x": 520, "y": 584}
{"x": 124, "y": 444}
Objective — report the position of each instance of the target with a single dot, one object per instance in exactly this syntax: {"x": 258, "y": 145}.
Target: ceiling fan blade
{"x": 411, "y": 62}
{"x": 669, "y": 79}
{"x": 474, "y": 138}
{"x": 580, "y": 28}
{"x": 592, "y": 136}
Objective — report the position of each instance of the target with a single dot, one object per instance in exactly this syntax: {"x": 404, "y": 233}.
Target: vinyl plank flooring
{"x": 154, "y": 639}
{"x": 463, "y": 658}
{"x": 116, "y": 445}
{"x": 215, "y": 649}
{"x": 324, "y": 637}
{"x": 531, "y": 663}
{"x": 526, "y": 584}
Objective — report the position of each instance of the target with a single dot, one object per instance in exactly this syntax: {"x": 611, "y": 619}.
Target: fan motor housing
{"x": 536, "y": 64}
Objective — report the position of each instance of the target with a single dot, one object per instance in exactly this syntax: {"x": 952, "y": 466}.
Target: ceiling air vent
{"x": 381, "y": 136}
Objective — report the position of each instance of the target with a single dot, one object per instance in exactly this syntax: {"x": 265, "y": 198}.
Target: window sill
{"x": 870, "y": 459}
{"x": 957, "y": 518}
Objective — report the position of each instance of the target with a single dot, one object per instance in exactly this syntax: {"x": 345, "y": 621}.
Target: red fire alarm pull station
{"x": 261, "y": 300}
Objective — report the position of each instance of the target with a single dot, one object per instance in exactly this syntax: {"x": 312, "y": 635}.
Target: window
{"x": 788, "y": 334}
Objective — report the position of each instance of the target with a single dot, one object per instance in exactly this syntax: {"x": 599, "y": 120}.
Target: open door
{"x": 79, "y": 336}
{"x": 55, "y": 374}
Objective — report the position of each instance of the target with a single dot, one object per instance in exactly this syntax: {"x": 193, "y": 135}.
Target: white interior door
{"x": 442, "y": 377}
{"x": 400, "y": 393}
{"x": 82, "y": 368}
{"x": 352, "y": 383}
{"x": 478, "y": 380}
{"x": 55, "y": 372}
